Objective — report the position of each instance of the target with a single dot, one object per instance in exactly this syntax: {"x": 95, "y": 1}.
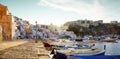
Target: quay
{"x": 22, "y": 49}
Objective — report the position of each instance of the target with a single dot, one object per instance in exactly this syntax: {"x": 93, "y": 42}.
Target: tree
{"x": 73, "y": 28}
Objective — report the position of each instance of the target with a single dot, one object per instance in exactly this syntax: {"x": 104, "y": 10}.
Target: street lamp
{"x": 36, "y": 33}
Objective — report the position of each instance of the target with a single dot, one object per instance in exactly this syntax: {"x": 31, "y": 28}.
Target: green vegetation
{"x": 100, "y": 29}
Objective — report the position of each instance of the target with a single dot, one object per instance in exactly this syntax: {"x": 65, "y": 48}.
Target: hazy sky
{"x": 60, "y": 11}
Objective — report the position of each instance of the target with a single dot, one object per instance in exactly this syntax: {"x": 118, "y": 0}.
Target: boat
{"x": 79, "y": 39}
{"x": 64, "y": 52}
{"x": 108, "y": 39}
{"x": 72, "y": 49}
{"x": 91, "y": 41}
{"x": 96, "y": 57}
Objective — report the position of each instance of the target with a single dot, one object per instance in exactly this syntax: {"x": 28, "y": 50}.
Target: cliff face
{"x": 5, "y": 22}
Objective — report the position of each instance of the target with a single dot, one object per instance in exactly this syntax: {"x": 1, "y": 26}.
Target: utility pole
{"x": 36, "y": 40}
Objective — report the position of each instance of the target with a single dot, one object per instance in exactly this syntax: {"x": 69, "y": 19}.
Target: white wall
{"x": 13, "y": 28}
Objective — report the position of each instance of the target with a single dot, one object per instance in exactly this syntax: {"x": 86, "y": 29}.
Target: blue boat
{"x": 96, "y": 57}
{"x": 62, "y": 55}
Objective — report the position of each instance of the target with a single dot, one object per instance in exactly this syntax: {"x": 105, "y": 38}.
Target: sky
{"x": 58, "y": 12}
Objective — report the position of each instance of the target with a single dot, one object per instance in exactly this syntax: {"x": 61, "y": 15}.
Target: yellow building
{"x": 5, "y": 22}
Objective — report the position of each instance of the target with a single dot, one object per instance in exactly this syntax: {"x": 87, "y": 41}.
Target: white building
{"x": 114, "y": 22}
{"x": 13, "y": 27}
{"x": 87, "y": 23}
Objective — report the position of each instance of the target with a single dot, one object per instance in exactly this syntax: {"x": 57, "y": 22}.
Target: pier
{"x": 22, "y": 49}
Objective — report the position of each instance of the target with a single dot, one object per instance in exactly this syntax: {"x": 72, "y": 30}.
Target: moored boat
{"x": 108, "y": 39}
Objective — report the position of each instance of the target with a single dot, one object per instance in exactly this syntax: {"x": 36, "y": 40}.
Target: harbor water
{"x": 110, "y": 49}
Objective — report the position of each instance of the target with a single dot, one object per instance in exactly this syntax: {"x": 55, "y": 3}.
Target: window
{"x": 82, "y": 22}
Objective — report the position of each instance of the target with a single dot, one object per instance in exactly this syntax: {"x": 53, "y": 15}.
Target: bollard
{"x": 104, "y": 47}
{"x": 36, "y": 41}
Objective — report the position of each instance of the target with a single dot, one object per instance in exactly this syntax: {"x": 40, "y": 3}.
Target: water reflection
{"x": 111, "y": 48}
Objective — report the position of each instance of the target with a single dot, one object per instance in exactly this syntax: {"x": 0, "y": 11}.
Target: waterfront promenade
{"x": 22, "y": 49}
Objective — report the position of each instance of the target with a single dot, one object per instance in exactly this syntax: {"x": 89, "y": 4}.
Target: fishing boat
{"x": 108, "y": 39}
{"x": 64, "y": 52}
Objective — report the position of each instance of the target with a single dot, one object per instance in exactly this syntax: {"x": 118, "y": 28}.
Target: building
{"x": 84, "y": 23}
{"x": 87, "y": 23}
{"x": 114, "y": 22}
{"x": 52, "y": 28}
{"x": 5, "y": 22}
{"x": 13, "y": 27}
{"x": 1, "y": 37}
